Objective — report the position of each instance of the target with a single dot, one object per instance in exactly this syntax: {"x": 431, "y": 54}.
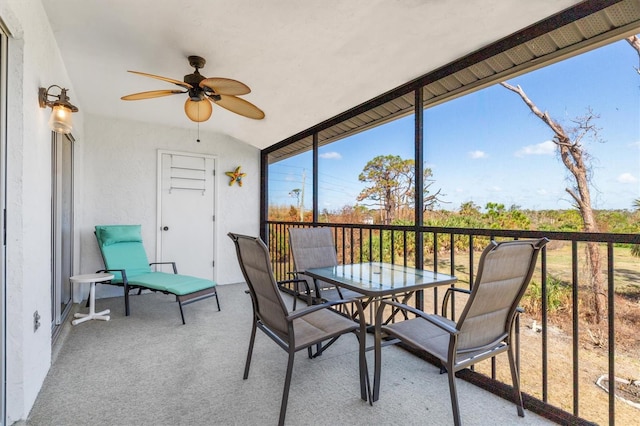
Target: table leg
{"x": 103, "y": 315}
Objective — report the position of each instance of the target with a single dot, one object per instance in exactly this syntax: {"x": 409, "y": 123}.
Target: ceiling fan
{"x": 202, "y": 92}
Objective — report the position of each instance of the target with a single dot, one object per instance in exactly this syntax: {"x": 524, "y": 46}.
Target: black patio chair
{"x": 485, "y": 325}
{"x": 298, "y": 329}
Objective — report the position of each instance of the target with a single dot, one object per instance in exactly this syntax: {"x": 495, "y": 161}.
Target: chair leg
{"x": 377, "y": 368}
{"x": 217, "y": 300}
{"x": 454, "y": 396}
{"x": 517, "y": 396}
{"x": 287, "y": 384}
{"x": 251, "y": 340}
{"x": 126, "y": 300}
{"x": 320, "y": 348}
{"x": 365, "y": 385}
{"x": 181, "y": 311}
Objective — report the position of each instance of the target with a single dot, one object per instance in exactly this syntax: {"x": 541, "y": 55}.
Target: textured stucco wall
{"x": 34, "y": 61}
{"x": 120, "y": 178}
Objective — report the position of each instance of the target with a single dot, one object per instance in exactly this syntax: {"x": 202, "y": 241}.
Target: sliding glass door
{"x": 61, "y": 228}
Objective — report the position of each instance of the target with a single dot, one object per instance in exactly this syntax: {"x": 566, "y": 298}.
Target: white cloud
{"x": 627, "y": 178}
{"x": 544, "y": 148}
{"x": 477, "y": 154}
{"x": 495, "y": 189}
{"x": 331, "y": 155}
{"x": 542, "y": 191}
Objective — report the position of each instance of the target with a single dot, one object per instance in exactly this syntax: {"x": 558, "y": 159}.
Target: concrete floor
{"x": 149, "y": 369}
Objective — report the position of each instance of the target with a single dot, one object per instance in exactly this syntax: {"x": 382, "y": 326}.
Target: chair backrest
{"x": 253, "y": 257}
{"x": 121, "y": 248}
{"x": 312, "y": 248}
{"x": 504, "y": 272}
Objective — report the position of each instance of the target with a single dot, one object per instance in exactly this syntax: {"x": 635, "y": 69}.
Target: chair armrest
{"x": 450, "y": 290}
{"x": 296, "y": 292}
{"x": 519, "y": 310}
{"x": 173, "y": 264}
{"x": 434, "y": 319}
{"x": 123, "y": 273}
{"x": 306, "y": 284}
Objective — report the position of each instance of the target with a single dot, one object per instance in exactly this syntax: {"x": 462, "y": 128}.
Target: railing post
{"x": 612, "y": 337}
{"x": 575, "y": 318}
{"x": 545, "y": 325}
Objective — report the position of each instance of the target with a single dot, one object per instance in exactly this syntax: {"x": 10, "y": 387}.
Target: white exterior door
{"x": 186, "y": 213}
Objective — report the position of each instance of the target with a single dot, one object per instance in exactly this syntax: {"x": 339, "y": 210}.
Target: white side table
{"x": 92, "y": 279}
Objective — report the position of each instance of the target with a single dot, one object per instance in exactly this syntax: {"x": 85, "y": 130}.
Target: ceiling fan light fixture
{"x": 198, "y": 111}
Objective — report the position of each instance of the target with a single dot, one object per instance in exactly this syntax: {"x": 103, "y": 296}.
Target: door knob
{"x": 165, "y": 228}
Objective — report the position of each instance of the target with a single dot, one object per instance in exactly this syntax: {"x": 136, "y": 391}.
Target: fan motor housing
{"x": 196, "y": 94}
{"x": 194, "y": 79}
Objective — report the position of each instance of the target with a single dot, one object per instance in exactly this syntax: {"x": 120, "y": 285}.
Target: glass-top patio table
{"x": 378, "y": 280}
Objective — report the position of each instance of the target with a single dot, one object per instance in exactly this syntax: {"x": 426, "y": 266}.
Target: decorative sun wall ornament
{"x": 236, "y": 176}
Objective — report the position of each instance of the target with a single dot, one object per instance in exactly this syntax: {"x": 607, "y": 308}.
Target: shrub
{"x": 558, "y": 297}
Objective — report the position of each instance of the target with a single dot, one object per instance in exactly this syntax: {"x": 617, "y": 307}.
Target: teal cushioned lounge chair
{"x": 124, "y": 256}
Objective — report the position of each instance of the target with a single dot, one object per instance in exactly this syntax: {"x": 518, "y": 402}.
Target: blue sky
{"x": 489, "y": 147}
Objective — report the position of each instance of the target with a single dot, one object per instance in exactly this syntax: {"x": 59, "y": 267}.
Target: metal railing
{"x": 452, "y": 251}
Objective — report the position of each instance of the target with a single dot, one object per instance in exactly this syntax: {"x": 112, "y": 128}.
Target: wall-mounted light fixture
{"x": 61, "y": 109}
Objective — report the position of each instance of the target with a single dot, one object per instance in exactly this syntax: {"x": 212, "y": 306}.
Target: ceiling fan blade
{"x": 198, "y": 111}
{"x": 151, "y": 94}
{"x": 225, "y": 86}
{"x": 239, "y": 106}
{"x": 167, "y": 79}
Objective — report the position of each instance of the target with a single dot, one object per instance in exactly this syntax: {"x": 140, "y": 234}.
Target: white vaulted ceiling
{"x": 305, "y": 61}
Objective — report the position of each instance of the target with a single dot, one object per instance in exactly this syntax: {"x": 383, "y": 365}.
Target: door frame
{"x": 214, "y": 158}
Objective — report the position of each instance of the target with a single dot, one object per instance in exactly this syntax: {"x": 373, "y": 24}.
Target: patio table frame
{"x": 379, "y": 280}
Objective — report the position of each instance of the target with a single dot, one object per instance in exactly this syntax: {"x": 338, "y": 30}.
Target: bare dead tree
{"x": 575, "y": 159}
{"x": 634, "y": 41}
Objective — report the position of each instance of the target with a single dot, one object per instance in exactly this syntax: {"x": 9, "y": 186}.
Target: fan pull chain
{"x": 198, "y": 140}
